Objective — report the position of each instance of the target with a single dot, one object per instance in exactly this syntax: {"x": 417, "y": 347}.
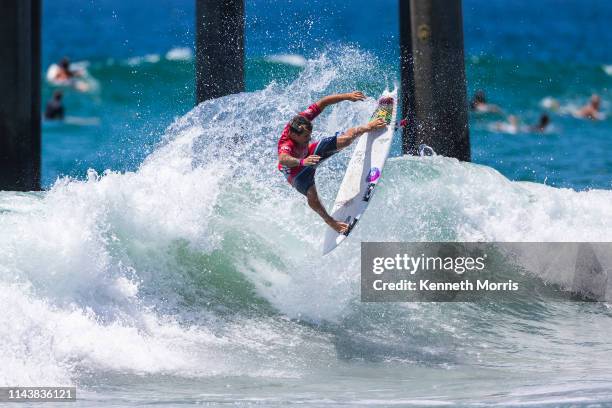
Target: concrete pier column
{"x": 219, "y": 48}
{"x": 434, "y": 96}
{"x": 20, "y": 111}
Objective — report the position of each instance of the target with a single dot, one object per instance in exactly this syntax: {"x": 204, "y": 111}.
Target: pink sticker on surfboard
{"x": 373, "y": 175}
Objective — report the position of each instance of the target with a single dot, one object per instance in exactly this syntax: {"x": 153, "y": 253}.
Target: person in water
{"x": 479, "y": 104}
{"x": 511, "y": 125}
{"x": 65, "y": 76}
{"x": 298, "y": 157}
{"x": 591, "y": 109}
{"x": 64, "y": 73}
{"x": 542, "y": 124}
{"x": 55, "y": 108}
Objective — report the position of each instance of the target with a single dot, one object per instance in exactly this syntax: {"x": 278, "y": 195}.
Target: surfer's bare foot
{"x": 339, "y": 227}
{"x": 378, "y": 123}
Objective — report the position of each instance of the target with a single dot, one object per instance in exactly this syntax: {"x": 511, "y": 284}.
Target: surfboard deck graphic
{"x": 363, "y": 172}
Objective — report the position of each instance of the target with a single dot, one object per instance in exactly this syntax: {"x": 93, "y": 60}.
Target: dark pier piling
{"x": 20, "y": 95}
{"x": 433, "y": 88}
{"x": 219, "y": 48}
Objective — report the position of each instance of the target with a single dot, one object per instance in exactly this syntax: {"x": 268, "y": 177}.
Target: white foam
{"x": 123, "y": 272}
{"x": 295, "y": 60}
{"x": 43, "y": 343}
{"x": 550, "y": 103}
{"x": 179, "y": 54}
{"x": 149, "y": 58}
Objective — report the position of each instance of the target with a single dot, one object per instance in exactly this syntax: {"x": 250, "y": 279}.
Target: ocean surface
{"x": 167, "y": 262}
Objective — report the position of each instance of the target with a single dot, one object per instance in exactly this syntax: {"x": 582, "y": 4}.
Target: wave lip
{"x": 149, "y": 58}
{"x": 295, "y": 60}
{"x": 200, "y": 263}
{"x": 179, "y": 54}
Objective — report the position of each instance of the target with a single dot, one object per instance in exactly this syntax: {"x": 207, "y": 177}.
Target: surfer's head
{"x": 478, "y": 99}
{"x": 64, "y": 63}
{"x": 301, "y": 129}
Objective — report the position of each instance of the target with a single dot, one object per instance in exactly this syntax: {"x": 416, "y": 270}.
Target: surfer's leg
{"x": 326, "y": 148}
{"x": 351, "y": 134}
{"x": 304, "y": 180}
{"x": 348, "y": 137}
{"x": 315, "y": 204}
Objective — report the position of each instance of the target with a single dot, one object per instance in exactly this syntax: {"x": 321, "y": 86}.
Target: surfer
{"x": 61, "y": 74}
{"x": 64, "y": 73}
{"x": 542, "y": 124}
{"x": 591, "y": 109}
{"x": 511, "y": 125}
{"x": 298, "y": 158}
{"x": 479, "y": 104}
{"x": 55, "y": 109}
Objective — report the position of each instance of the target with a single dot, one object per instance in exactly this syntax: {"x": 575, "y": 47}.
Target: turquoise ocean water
{"x": 518, "y": 53}
{"x": 140, "y": 277}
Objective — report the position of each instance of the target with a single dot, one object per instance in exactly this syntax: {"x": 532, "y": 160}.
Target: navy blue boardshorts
{"x": 325, "y": 148}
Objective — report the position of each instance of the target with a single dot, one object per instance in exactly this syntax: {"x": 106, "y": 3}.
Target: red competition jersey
{"x": 286, "y": 145}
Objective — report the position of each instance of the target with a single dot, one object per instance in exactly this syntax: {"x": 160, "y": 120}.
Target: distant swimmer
{"x": 591, "y": 109}
{"x": 479, "y": 104}
{"x": 298, "y": 158}
{"x": 511, "y": 125}
{"x": 542, "y": 124}
{"x": 63, "y": 75}
{"x": 55, "y": 108}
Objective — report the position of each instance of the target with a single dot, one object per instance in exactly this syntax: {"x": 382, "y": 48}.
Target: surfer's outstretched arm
{"x": 315, "y": 204}
{"x": 332, "y": 99}
{"x": 347, "y": 137}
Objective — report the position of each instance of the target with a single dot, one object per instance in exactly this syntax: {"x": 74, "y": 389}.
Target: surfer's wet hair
{"x": 299, "y": 123}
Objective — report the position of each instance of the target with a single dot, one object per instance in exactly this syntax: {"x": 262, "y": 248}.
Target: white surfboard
{"x": 363, "y": 172}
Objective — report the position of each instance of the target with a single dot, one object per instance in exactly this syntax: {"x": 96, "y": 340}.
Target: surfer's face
{"x": 302, "y": 138}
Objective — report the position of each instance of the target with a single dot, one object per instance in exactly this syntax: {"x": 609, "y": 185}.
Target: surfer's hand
{"x": 311, "y": 160}
{"x": 376, "y": 124}
{"x": 355, "y": 96}
{"x": 339, "y": 227}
